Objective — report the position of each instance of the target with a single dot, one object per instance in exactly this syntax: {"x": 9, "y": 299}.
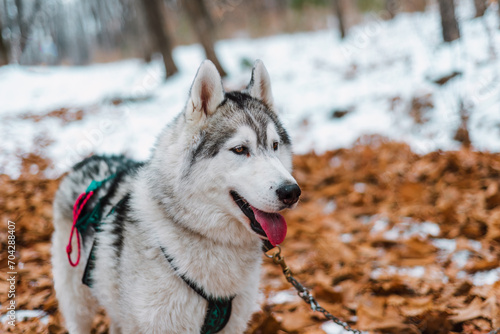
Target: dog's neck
{"x": 222, "y": 266}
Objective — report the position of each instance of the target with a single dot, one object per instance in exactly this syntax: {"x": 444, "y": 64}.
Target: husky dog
{"x": 183, "y": 231}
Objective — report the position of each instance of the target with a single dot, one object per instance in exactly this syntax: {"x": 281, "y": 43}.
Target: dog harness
{"x": 93, "y": 218}
{"x": 218, "y": 310}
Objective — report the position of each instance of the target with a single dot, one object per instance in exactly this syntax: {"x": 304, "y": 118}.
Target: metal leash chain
{"x": 304, "y": 293}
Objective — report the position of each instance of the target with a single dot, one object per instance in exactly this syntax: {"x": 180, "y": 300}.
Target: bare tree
{"x": 340, "y": 12}
{"x": 4, "y": 50}
{"x": 391, "y": 6}
{"x": 480, "y": 7}
{"x": 25, "y": 18}
{"x": 154, "y": 11}
{"x": 203, "y": 25}
{"x": 4, "y": 53}
{"x": 134, "y": 29}
{"x": 23, "y": 25}
{"x": 449, "y": 22}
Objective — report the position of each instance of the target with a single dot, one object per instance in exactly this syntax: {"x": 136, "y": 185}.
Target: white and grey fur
{"x": 180, "y": 200}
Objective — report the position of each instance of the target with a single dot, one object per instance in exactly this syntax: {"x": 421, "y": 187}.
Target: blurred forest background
{"x": 81, "y": 32}
{"x": 393, "y": 107}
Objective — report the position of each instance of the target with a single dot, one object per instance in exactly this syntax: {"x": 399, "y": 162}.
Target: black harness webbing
{"x": 218, "y": 310}
{"x": 93, "y": 219}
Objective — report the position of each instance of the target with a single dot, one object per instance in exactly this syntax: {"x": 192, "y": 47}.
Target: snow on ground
{"x": 487, "y": 277}
{"x": 282, "y": 297}
{"x": 458, "y": 252}
{"x": 333, "y": 328}
{"x": 22, "y": 315}
{"x": 373, "y": 75}
{"x": 405, "y": 229}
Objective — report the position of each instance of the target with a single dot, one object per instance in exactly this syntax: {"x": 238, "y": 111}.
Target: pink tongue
{"x": 273, "y": 224}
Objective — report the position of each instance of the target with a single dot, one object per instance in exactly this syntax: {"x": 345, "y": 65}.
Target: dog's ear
{"x": 260, "y": 84}
{"x": 206, "y": 93}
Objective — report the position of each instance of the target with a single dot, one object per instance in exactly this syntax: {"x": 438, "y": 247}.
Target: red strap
{"x": 77, "y": 209}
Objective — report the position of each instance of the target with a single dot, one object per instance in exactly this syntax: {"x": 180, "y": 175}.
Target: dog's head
{"x": 237, "y": 158}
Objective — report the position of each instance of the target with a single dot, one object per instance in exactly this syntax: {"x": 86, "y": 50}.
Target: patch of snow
{"x": 335, "y": 162}
{"x": 403, "y": 230}
{"x": 365, "y": 219}
{"x": 39, "y": 89}
{"x": 360, "y": 187}
{"x": 486, "y": 277}
{"x": 332, "y": 328}
{"x": 282, "y": 297}
{"x": 475, "y": 245}
{"x": 461, "y": 274}
{"x": 460, "y": 258}
{"x": 416, "y": 272}
{"x": 408, "y": 229}
{"x": 346, "y": 238}
{"x": 330, "y": 207}
{"x": 392, "y": 234}
{"x": 446, "y": 245}
{"x": 23, "y": 315}
{"x": 379, "y": 225}
{"x": 424, "y": 229}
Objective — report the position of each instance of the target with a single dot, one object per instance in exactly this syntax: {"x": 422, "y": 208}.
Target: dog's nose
{"x": 289, "y": 193}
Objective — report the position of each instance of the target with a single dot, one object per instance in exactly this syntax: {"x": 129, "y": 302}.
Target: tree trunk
{"x": 392, "y": 6}
{"x": 4, "y": 50}
{"x": 23, "y": 28}
{"x": 205, "y": 30}
{"x": 154, "y": 12}
{"x": 25, "y": 19}
{"x": 480, "y": 7}
{"x": 448, "y": 20}
{"x": 4, "y": 53}
{"x": 340, "y": 12}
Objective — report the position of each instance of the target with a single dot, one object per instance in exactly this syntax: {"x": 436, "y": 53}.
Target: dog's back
{"x": 74, "y": 297}
{"x": 95, "y": 168}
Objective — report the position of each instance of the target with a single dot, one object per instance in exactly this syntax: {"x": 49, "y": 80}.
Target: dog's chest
{"x": 148, "y": 281}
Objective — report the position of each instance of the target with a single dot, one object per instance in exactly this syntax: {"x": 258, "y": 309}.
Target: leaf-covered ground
{"x": 388, "y": 240}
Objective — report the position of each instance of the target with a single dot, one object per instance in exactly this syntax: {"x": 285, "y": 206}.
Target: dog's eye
{"x": 240, "y": 150}
{"x": 275, "y": 146}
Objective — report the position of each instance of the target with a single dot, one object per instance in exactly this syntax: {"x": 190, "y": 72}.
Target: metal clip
{"x": 277, "y": 253}
{"x": 278, "y": 259}
{"x": 313, "y": 303}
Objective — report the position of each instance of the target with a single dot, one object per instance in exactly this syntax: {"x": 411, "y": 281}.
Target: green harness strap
{"x": 89, "y": 268}
{"x": 93, "y": 218}
{"x": 217, "y": 316}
